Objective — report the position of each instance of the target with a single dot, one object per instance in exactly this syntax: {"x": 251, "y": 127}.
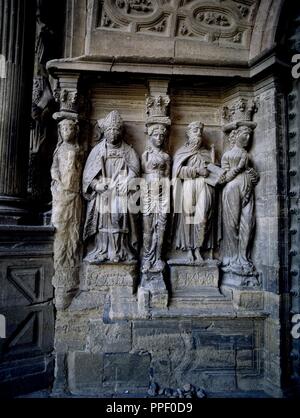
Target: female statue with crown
{"x": 238, "y": 200}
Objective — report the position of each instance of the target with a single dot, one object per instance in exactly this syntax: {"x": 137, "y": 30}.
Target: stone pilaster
{"x": 17, "y": 31}
{"x": 66, "y": 193}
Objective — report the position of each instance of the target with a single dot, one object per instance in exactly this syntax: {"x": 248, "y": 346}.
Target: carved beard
{"x": 195, "y": 141}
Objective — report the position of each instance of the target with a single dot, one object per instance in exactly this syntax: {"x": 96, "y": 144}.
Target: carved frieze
{"x": 227, "y": 22}
{"x": 212, "y": 18}
{"x": 135, "y": 6}
{"x": 134, "y": 15}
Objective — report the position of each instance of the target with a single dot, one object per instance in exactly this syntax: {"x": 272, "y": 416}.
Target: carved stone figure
{"x": 238, "y": 212}
{"x": 193, "y": 196}
{"x": 66, "y": 174}
{"x": 156, "y": 166}
{"x": 66, "y": 193}
{"x": 109, "y": 168}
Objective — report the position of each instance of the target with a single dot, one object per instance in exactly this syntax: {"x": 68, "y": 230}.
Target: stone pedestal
{"x": 152, "y": 293}
{"x": 193, "y": 285}
{"x": 118, "y": 280}
{"x": 17, "y": 48}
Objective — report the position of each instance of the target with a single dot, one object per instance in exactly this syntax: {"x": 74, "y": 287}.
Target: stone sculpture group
{"x": 188, "y": 204}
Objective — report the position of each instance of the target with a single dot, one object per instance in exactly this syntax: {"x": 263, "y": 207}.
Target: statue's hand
{"x": 203, "y": 172}
{"x": 101, "y": 187}
{"x": 222, "y": 179}
{"x": 254, "y": 176}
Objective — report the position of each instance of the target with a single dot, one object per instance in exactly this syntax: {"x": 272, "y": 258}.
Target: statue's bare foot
{"x": 198, "y": 255}
{"x": 101, "y": 258}
{"x": 115, "y": 259}
{"x": 190, "y": 256}
{"x": 248, "y": 268}
{"x": 159, "y": 266}
{"x": 130, "y": 257}
{"x": 146, "y": 266}
{"x": 95, "y": 257}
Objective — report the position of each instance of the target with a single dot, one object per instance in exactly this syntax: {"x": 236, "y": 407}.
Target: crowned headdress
{"x": 240, "y": 113}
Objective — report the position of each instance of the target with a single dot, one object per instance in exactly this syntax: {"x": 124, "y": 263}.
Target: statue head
{"x": 68, "y": 130}
{"x": 112, "y": 126}
{"x": 194, "y": 133}
{"x": 242, "y": 136}
{"x": 157, "y": 134}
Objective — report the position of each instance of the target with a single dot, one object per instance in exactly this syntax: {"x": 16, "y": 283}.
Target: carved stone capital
{"x": 158, "y": 103}
{"x": 66, "y": 94}
{"x": 240, "y": 113}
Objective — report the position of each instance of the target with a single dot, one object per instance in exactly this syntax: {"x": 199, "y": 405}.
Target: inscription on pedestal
{"x": 109, "y": 275}
{"x": 184, "y": 276}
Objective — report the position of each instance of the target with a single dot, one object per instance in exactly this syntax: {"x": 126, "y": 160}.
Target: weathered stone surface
{"x": 88, "y": 300}
{"x": 251, "y": 300}
{"x": 158, "y": 337}
{"x": 126, "y": 371}
{"x": 109, "y": 338}
{"x": 71, "y": 332}
{"x": 161, "y": 369}
{"x": 123, "y": 304}
{"x": 85, "y": 372}
{"x": 152, "y": 293}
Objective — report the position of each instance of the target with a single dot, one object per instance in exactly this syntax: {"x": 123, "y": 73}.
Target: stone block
{"x": 107, "y": 275}
{"x": 123, "y": 304}
{"x": 232, "y": 338}
{"x": 214, "y": 357}
{"x": 158, "y": 340}
{"x": 109, "y": 338}
{"x": 248, "y": 383}
{"x": 160, "y": 335}
{"x": 248, "y": 299}
{"x": 87, "y": 300}
{"x": 126, "y": 372}
{"x": 161, "y": 369}
{"x": 85, "y": 372}
{"x": 70, "y": 332}
{"x": 60, "y": 386}
{"x": 154, "y": 283}
{"x": 245, "y": 359}
{"x": 213, "y": 381}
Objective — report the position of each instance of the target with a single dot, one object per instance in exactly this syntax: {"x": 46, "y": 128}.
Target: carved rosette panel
{"x": 222, "y": 22}
{"x": 225, "y": 22}
{"x": 150, "y": 16}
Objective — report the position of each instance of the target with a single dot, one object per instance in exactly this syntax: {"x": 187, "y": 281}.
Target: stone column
{"x": 17, "y": 31}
